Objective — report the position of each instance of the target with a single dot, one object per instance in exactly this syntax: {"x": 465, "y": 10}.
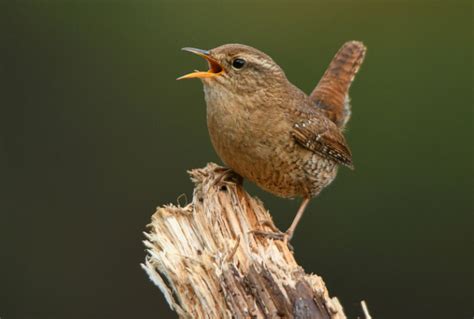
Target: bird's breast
{"x": 254, "y": 140}
{"x": 240, "y": 129}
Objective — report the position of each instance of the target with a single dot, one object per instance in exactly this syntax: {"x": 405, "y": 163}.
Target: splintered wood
{"x": 208, "y": 263}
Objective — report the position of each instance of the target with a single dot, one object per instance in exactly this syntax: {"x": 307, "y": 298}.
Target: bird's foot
{"x": 224, "y": 174}
{"x": 275, "y": 234}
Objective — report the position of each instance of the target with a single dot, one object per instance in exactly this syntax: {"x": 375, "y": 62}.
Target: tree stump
{"x": 208, "y": 263}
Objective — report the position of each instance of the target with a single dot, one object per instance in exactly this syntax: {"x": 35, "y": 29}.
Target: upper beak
{"x": 214, "y": 67}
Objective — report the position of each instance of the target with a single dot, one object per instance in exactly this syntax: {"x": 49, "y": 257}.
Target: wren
{"x": 270, "y": 132}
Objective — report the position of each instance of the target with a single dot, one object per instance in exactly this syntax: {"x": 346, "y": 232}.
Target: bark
{"x": 208, "y": 263}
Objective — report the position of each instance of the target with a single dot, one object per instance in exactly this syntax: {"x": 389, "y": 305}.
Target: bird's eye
{"x": 238, "y": 63}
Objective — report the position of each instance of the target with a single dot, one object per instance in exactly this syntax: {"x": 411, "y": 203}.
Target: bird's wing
{"x": 321, "y": 136}
{"x": 332, "y": 92}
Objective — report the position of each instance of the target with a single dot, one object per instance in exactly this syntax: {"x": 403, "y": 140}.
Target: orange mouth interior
{"x": 214, "y": 67}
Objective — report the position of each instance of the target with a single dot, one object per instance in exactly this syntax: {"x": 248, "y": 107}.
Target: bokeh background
{"x": 96, "y": 132}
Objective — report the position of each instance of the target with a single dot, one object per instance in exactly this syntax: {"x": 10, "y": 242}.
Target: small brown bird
{"x": 269, "y": 131}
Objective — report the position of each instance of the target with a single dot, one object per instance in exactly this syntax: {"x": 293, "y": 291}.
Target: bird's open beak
{"x": 214, "y": 67}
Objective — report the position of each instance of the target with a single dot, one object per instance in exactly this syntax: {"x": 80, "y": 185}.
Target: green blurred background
{"x": 96, "y": 132}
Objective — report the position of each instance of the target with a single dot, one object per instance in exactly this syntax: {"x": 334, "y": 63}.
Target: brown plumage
{"x": 332, "y": 92}
{"x": 269, "y": 131}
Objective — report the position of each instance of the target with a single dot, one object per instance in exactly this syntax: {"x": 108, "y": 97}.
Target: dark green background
{"x": 96, "y": 132}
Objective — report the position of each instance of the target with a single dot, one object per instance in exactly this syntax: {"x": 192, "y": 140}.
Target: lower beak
{"x": 214, "y": 67}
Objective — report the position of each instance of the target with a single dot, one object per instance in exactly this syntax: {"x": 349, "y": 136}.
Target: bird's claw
{"x": 270, "y": 224}
{"x": 227, "y": 175}
{"x": 277, "y": 235}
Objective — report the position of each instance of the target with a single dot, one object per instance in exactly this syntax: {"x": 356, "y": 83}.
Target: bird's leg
{"x": 286, "y": 236}
{"x": 297, "y": 218}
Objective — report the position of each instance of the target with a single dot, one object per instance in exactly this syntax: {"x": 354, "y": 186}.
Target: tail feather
{"x": 332, "y": 92}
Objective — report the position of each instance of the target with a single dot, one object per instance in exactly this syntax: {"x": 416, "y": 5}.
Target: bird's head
{"x": 238, "y": 68}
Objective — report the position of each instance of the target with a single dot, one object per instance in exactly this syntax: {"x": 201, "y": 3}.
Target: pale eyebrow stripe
{"x": 264, "y": 63}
